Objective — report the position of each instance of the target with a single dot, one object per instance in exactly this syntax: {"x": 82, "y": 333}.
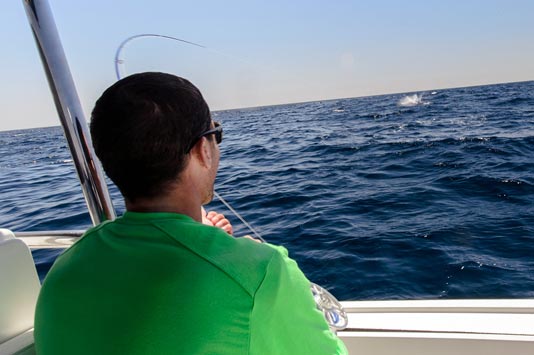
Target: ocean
{"x": 422, "y": 195}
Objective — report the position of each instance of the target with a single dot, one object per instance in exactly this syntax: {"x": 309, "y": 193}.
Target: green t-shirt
{"x": 161, "y": 283}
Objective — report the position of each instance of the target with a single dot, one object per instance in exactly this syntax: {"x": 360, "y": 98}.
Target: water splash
{"x": 411, "y": 100}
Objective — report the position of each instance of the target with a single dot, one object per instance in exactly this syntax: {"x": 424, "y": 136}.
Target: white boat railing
{"x": 50, "y": 239}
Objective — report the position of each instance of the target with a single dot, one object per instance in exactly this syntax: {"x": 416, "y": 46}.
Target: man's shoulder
{"x": 244, "y": 260}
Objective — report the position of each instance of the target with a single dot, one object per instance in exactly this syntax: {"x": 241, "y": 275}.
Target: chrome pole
{"x": 70, "y": 110}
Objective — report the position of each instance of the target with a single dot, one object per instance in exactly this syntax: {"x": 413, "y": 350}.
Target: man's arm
{"x": 285, "y": 319}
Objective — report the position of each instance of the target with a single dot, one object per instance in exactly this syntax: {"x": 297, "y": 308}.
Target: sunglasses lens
{"x": 218, "y": 133}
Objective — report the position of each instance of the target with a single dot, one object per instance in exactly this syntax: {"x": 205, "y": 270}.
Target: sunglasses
{"x": 217, "y": 131}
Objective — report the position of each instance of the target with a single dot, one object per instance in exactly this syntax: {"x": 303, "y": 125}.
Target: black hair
{"x": 141, "y": 129}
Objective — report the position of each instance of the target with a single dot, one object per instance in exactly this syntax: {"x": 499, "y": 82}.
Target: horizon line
{"x": 326, "y": 99}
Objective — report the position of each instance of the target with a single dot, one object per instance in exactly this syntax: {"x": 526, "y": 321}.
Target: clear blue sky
{"x": 274, "y": 51}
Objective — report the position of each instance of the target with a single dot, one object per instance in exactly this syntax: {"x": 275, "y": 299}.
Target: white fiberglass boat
{"x": 374, "y": 327}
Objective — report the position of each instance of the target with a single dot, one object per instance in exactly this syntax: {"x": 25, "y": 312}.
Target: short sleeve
{"x": 284, "y": 318}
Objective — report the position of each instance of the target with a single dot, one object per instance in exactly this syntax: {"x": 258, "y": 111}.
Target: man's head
{"x": 144, "y": 128}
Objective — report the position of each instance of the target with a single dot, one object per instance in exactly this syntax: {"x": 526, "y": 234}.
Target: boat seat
{"x": 19, "y": 288}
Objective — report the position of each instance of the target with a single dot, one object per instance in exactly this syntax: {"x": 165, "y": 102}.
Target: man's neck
{"x": 175, "y": 201}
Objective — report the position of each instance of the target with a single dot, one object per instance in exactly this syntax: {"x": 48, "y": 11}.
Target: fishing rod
{"x": 332, "y": 309}
{"x": 119, "y": 61}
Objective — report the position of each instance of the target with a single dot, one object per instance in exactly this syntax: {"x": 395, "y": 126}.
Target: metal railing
{"x": 69, "y": 110}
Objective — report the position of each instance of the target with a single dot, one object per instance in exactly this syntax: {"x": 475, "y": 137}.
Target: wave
{"x": 515, "y": 101}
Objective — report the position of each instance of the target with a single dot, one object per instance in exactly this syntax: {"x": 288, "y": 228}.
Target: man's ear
{"x": 203, "y": 152}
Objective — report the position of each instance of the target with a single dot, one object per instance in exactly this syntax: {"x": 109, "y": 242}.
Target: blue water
{"x": 374, "y": 199}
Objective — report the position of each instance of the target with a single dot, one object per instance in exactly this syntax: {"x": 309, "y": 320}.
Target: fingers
{"x": 205, "y": 219}
{"x": 212, "y": 214}
{"x": 215, "y": 217}
{"x": 228, "y": 228}
{"x": 218, "y": 220}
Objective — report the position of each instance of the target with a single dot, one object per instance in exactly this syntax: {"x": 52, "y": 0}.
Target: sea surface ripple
{"x": 376, "y": 198}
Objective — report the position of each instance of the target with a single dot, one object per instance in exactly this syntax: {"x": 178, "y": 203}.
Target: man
{"x": 156, "y": 280}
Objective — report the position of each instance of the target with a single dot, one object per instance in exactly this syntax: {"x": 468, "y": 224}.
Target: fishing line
{"x": 239, "y": 216}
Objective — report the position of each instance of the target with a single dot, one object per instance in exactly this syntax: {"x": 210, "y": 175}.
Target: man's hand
{"x": 215, "y": 219}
